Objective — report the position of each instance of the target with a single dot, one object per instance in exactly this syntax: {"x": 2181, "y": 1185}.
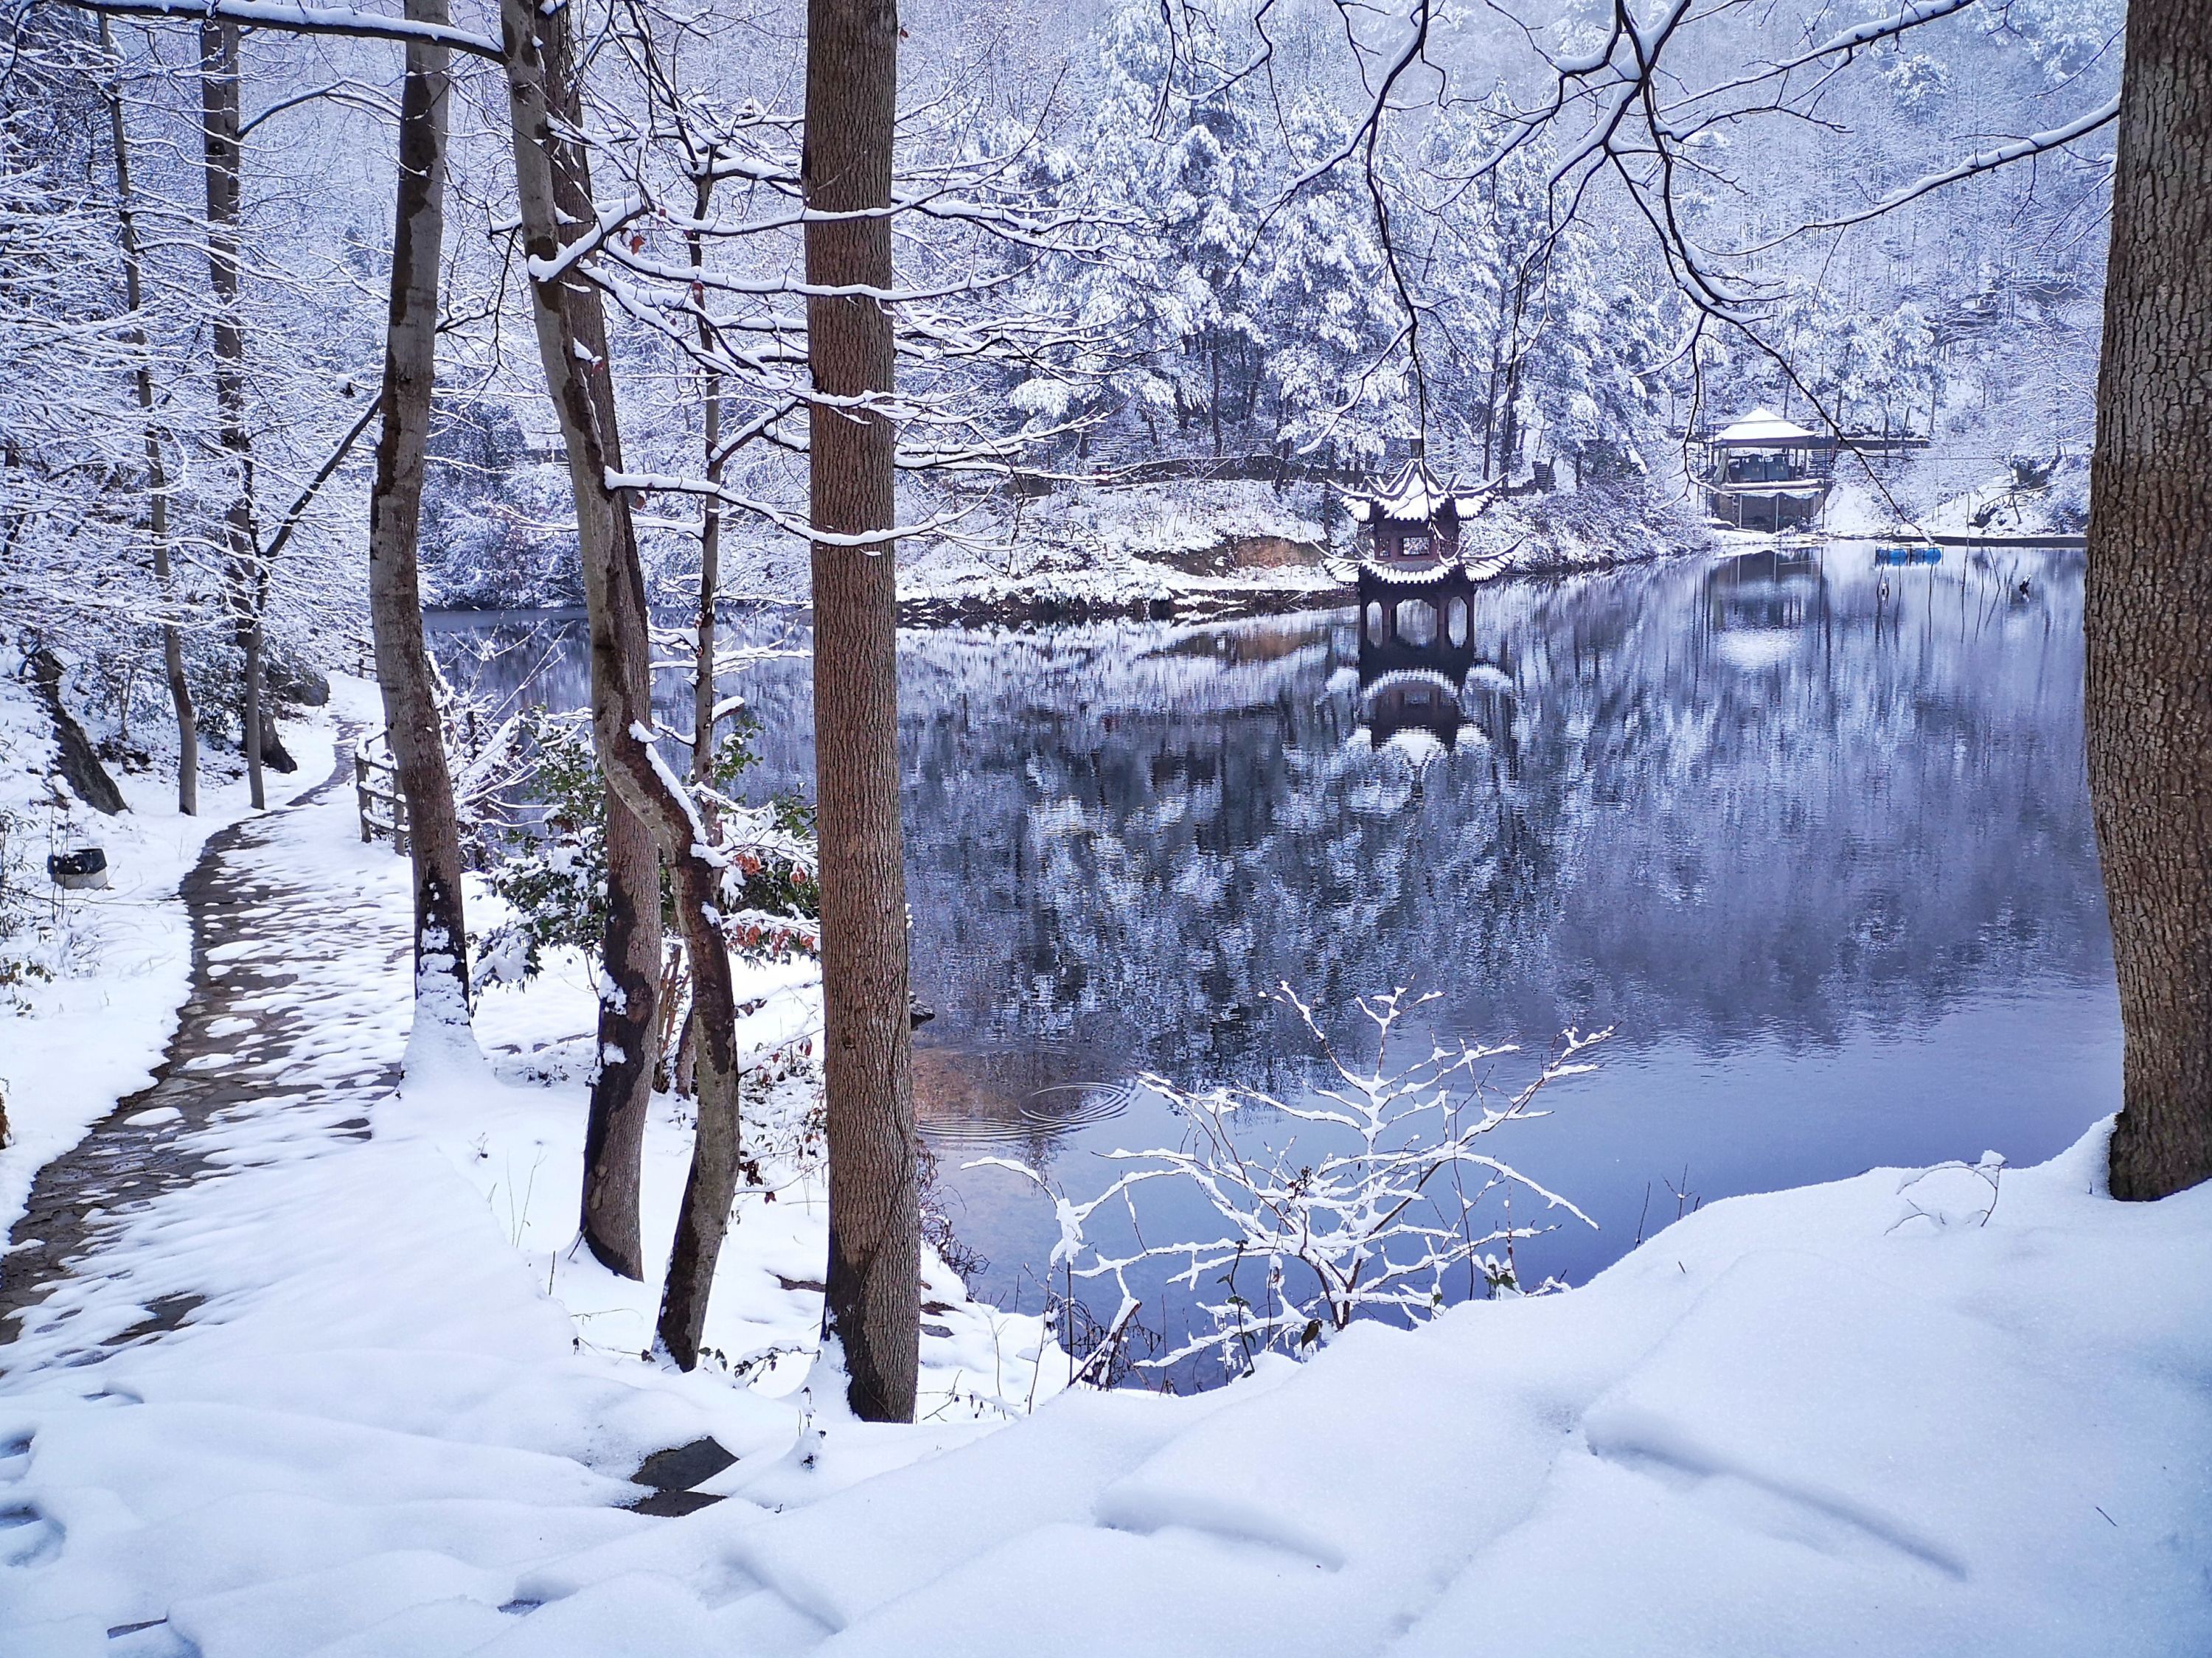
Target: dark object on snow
{"x": 672, "y": 1505}
{"x": 671, "y": 1474}
{"x": 274, "y": 753}
{"x": 918, "y": 1012}
{"x": 85, "y": 867}
{"x": 80, "y": 765}
{"x": 297, "y": 683}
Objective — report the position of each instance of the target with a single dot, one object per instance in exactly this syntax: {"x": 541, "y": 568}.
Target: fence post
{"x": 368, "y": 772}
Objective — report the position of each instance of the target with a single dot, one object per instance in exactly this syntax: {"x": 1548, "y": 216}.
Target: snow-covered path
{"x": 1960, "y": 1411}
{"x": 257, "y": 1379}
{"x": 268, "y": 1037}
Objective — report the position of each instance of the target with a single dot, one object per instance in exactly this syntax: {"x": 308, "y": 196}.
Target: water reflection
{"x": 1813, "y": 835}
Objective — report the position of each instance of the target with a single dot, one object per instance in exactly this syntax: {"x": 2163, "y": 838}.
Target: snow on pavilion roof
{"x": 1398, "y": 676}
{"x": 1764, "y": 426}
{"x": 1790, "y": 487}
{"x": 1411, "y": 494}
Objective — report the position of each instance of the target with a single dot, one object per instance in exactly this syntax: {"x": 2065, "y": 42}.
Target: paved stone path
{"x": 273, "y": 950}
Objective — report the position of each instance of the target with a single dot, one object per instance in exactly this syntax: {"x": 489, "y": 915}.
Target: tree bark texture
{"x": 629, "y": 1038}
{"x": 703, "y": 697}
{"x": 872, "y": 1309}
{"x": 219, "y": 121}
{"x": 395, "y": 513}
{"x": 157, "y": 482}
{"x": 2148, "y": 618}
{"x": 553, "y": 187}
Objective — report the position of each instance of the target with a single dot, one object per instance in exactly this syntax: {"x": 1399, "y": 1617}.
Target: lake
{"x": 1811, "y": 834}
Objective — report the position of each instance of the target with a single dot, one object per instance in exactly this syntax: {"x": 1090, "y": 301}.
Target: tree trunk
{"x": 555, "y": 185}
{"x": 872, "y": 1309}
{"x": 219, "y": 119}
{"x": 2148, "y": 622}
{"x": 710, "y": 526}
{"x": 395, "y": 512}
{"x": 629, "y": 1015}
{"x": 1213, "y": 403}
{"x": 553, "y": 188}
{"x": 704, "y": 694}
{"x": 157, "y": 481}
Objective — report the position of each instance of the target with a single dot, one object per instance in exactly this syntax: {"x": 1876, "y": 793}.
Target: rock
{"x": 298, "y": 683}
{"x": 683, "y": 1466}
{"x": 672, "y": 1505}
{"x": 274, "y": 753}
{"x": 74, "y": 871}
{"x": 80, "y": 764}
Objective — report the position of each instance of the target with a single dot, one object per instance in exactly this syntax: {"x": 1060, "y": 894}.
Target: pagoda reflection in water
{"x": 1425, "y": 687}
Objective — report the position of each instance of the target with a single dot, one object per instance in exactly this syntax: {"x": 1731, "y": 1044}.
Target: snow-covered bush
{"x": 1376, "y": 1218}
{"x": 553, "y": 879}
{"x": 21, "y": 902}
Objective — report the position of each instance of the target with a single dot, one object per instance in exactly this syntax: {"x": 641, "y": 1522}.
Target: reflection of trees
{"x": 1853, "y": 820}
{"x": 1695, "y": 800}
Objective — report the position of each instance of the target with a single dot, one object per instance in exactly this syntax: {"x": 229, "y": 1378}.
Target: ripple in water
{"x": 1049, "y": 1111}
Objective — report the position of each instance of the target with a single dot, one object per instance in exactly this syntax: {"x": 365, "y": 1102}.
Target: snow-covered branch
{"x": 1367, "y": 1206}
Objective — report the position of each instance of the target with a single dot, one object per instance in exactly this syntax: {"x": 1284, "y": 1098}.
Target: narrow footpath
{"x": 274, "y": 1378}
{"x": 257, "y": 1046}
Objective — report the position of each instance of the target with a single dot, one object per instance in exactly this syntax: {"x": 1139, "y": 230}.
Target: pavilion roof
{"x": 1411, "y": 494}
{"x": 1763, "y": 428}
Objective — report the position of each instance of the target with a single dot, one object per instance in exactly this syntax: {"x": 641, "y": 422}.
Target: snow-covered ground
{"x": 1963, "y": 1410}
{"x": 2001, "y": 507}
{"x": 1212, "y": 549}
{"x": 119, "y": 958}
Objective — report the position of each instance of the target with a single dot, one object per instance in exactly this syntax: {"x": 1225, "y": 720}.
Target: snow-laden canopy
{"x": 1763, "y": 428}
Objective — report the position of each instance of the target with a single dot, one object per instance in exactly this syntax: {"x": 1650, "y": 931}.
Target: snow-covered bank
{"x": 517, "y": 1136}
{"x": 1195, "y": 551}
{"x": 328, "y": 1336}
{"x": 90, "y": 985}
{"x": 2021, "y": 504}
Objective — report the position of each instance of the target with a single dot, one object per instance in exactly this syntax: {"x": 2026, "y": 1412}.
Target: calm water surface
{"x": 1813, "y": 837}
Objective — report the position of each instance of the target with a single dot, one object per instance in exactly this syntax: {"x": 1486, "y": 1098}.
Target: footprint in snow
{"x": 27, "y": 1538}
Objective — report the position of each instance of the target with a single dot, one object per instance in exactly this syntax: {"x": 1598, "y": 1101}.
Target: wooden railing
{"x": 376, "y": 786}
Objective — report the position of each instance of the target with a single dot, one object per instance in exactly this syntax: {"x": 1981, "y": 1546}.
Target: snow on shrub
{"x": 1377, "y": 1219}
{"x": 553, "y": 877}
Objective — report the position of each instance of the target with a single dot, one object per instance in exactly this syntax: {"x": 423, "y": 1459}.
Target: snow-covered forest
{"x": 1230, "y": 826}
{"x": 1170, "y": 283}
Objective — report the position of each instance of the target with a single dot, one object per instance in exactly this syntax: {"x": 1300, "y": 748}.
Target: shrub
{"x": 1378, "y": 1219}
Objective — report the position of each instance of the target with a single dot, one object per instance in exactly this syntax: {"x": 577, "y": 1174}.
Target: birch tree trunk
{"x": 157, "y": 482}
{"x": 553, "y": 187}
{"x": 872, "y": 1309}
{"x": 2148, "y": 622}
{"x": 395, "y": 513}
{"x": 219, "y": 119}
